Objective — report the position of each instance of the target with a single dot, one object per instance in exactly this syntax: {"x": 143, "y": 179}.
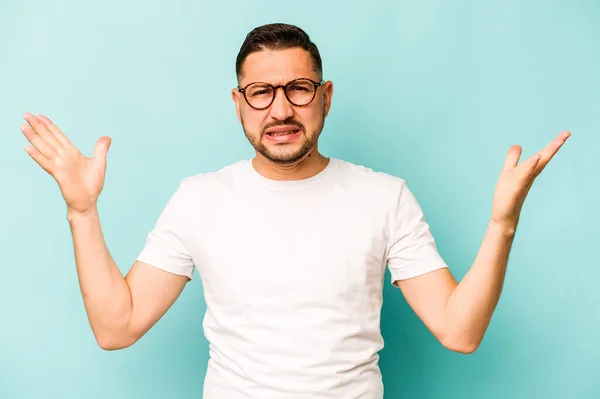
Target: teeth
{"x": 281, "y": 133}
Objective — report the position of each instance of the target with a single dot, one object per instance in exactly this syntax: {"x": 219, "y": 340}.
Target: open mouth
{"x": 282, "y": 136}
{"x": 279, "y": 134}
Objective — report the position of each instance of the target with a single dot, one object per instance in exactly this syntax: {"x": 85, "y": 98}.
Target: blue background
{"x": 432, "y": 91}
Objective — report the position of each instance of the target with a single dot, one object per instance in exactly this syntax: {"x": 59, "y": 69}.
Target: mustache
{"x": 287, "y": 122}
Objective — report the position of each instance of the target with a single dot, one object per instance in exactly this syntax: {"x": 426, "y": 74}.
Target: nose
{"x": 281, "y": 109}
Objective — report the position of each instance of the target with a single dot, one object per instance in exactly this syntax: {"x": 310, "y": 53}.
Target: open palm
{"x": 515, "y": 181}
{"x": 79, "y": 178}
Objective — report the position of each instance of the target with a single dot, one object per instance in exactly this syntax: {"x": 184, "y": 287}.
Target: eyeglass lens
{"x": 298, "y": 92}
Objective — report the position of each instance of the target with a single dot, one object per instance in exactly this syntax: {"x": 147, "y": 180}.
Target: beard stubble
{"x": 284, "y": 156}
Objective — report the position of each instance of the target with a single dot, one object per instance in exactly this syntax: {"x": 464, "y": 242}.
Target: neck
{"x": 312, "y": 164}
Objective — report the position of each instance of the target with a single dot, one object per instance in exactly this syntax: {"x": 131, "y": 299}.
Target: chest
{"x": 328, "y": 247}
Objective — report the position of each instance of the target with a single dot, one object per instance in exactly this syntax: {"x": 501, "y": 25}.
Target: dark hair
{"x": 277, "y": 37}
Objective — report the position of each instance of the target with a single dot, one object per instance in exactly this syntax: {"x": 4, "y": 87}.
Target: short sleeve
{"x": 165, "y": 246}
{"x": 412, "y": 250}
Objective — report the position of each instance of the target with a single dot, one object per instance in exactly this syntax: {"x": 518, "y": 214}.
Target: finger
{"x": 529, "y": 167}
{"x": 60, "y": 136}
{"x": 101, "y": 149}
{"x": 39, "y": 158}
{"x": 42, "y": 131}
{"x": 551, "y": 149}
{"x": 40, "y": 145}
{"x": 529, "y": 184}
{"x": 512, "y": 157}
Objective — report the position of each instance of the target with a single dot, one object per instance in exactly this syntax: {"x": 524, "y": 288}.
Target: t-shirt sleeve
{"x": 412, "y": 250}
{"x": 165, "y": 246}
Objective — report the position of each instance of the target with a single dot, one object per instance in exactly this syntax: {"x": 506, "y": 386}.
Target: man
{"x": 291, "y": 246}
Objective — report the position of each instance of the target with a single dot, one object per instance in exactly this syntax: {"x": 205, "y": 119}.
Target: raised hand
{"x": 79, "y": 178}
{"x": 516, "y": 181}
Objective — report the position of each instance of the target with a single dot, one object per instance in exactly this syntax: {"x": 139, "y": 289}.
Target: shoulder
{"x": 223, "y": 178}
{"x": 366, "y": 178}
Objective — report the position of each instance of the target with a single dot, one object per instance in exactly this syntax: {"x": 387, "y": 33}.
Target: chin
{"x": 285, "y": 157}
{"x": 288, "y": 159}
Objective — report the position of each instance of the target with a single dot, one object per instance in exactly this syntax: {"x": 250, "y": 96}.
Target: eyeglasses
{"x": 299, "y": 92}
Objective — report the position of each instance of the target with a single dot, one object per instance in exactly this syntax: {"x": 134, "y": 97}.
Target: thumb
{"x": 101, "y": 149}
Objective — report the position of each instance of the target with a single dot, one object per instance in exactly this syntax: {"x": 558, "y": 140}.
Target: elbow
{"x": 110, "y": 342}
{"x": 463, "y": 346}
{"x": 464, "y": 349}
{"x": 110, "y": 346}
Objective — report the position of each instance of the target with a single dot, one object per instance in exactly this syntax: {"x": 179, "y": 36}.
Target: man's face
{"x": 283, "y": 132}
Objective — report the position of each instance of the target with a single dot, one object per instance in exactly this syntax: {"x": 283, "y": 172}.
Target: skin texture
{"x": 121, "y": 309}
{"x": 459, "y": 314}
{"x": 287, "y": 161}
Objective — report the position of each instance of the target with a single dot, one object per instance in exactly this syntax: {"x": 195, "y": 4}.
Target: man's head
{"x": 283, "y": 124}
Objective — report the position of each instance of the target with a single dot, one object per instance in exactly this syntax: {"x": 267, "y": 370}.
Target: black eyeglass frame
{"x": 284, "y": 87}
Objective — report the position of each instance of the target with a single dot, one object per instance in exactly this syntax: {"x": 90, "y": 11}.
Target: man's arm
{"x": 120, "y": 310}
{"x": 459, "y": 314}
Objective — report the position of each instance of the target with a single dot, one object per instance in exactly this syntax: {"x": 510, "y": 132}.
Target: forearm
{"x": 469, "y": 308}
{"x": 106, "y": 294}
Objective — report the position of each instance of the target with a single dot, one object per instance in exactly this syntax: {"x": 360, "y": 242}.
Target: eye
{"x": 260, "y": 92}
{"x": 299, "y": 88}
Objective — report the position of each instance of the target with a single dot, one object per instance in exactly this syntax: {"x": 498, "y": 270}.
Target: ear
{"x": 236, "y": 96}
{"x": 328, "y": 94}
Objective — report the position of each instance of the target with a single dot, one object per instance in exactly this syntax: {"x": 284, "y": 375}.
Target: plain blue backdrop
{"x": 435, "y": 92}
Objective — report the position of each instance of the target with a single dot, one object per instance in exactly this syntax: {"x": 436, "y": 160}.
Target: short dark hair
{"x": 277, "y": 36}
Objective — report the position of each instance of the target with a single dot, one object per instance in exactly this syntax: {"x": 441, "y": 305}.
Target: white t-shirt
{"x": 293, "y": 274}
